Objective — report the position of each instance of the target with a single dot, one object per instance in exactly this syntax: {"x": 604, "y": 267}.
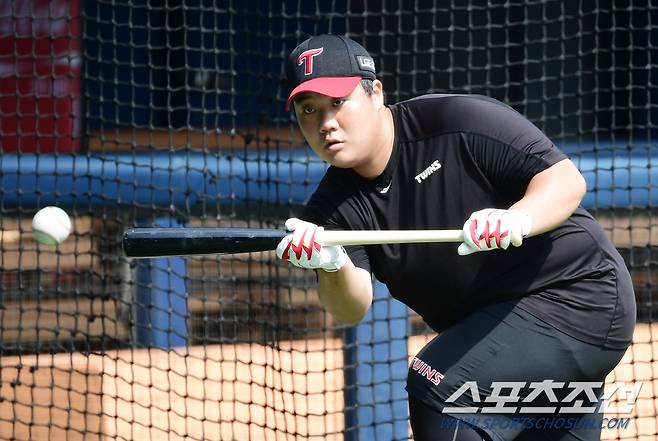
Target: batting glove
{"x": 302, "y": 248}
{"x": 491, "y": 228}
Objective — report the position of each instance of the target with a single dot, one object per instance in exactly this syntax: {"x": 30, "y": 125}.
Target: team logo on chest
{"x": 420, "y": 177}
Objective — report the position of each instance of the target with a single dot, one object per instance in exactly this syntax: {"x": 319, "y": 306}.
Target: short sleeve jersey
{"x": 453, "y": 155}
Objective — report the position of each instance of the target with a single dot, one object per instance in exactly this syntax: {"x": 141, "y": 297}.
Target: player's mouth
{"x": 332, "y": 144}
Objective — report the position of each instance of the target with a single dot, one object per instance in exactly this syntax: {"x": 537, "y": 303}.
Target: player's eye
{"x": 338, "y": 102}
{"x": 308, "y": 110}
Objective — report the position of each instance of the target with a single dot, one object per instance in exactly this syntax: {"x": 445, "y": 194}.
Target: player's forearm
{"x": 346, "y": 294}
{"x": 552, "y": 196}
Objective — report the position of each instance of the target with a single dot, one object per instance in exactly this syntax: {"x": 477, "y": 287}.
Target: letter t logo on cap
{"x": 306, "y": 58}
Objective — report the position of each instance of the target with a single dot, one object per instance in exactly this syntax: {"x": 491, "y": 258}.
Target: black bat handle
{"x": 157, "y": 242}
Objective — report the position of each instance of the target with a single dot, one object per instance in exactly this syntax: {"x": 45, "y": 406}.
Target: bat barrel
{"x": 157, "y": 242}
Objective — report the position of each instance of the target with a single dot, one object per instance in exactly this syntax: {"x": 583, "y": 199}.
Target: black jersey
{"x": 453, "y": 155}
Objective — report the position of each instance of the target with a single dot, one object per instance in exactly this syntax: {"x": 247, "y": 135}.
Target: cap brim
{"x": 334, "y": 87}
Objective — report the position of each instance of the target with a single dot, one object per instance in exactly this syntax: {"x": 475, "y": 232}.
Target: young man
{"x": 557, "y": 305}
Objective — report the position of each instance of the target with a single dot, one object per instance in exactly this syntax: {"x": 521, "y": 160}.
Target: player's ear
{"x": 378, "y": 92}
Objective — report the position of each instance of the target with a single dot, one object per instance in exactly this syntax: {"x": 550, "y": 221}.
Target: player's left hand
{"x": 491, "y": 229}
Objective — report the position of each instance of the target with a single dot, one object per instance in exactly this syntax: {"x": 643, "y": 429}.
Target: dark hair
{"x": 366, "y": 83}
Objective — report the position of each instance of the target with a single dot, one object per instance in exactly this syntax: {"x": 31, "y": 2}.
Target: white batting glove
{"x": 302, "y": 248}
{"x": 491, "y": 229}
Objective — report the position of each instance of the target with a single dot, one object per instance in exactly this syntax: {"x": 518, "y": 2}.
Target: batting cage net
{"x": 170, "y": 113}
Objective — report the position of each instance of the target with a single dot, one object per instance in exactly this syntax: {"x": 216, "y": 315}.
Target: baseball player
{"x": 535, "y": 294}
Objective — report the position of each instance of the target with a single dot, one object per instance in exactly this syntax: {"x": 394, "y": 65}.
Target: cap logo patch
{"x": 365, "y": 63}
{"x": 306, "y": 59}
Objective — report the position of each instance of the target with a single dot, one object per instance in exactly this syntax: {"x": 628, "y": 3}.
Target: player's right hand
{"x": 302, "y": 248}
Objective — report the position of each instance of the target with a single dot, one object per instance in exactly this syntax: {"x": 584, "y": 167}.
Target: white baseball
{"x": 51, "y": 225}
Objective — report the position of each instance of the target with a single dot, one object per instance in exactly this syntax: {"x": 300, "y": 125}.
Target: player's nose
{"x": 328, "y": 122}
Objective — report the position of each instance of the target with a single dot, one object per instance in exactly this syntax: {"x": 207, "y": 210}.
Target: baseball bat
{"x": 160, "y": 242}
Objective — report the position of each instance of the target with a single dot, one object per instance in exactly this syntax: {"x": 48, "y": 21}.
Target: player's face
{"x": 343, "y": 131}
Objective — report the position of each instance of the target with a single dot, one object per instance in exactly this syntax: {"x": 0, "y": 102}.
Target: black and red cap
{"x": 330, "y": 65}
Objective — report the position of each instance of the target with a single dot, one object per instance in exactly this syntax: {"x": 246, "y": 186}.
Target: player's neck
{"x": 382, "y": 149}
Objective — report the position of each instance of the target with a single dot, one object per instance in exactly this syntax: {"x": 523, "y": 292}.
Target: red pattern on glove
{"x": 300, "y": 248}
{"x": 496, "y": 234}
